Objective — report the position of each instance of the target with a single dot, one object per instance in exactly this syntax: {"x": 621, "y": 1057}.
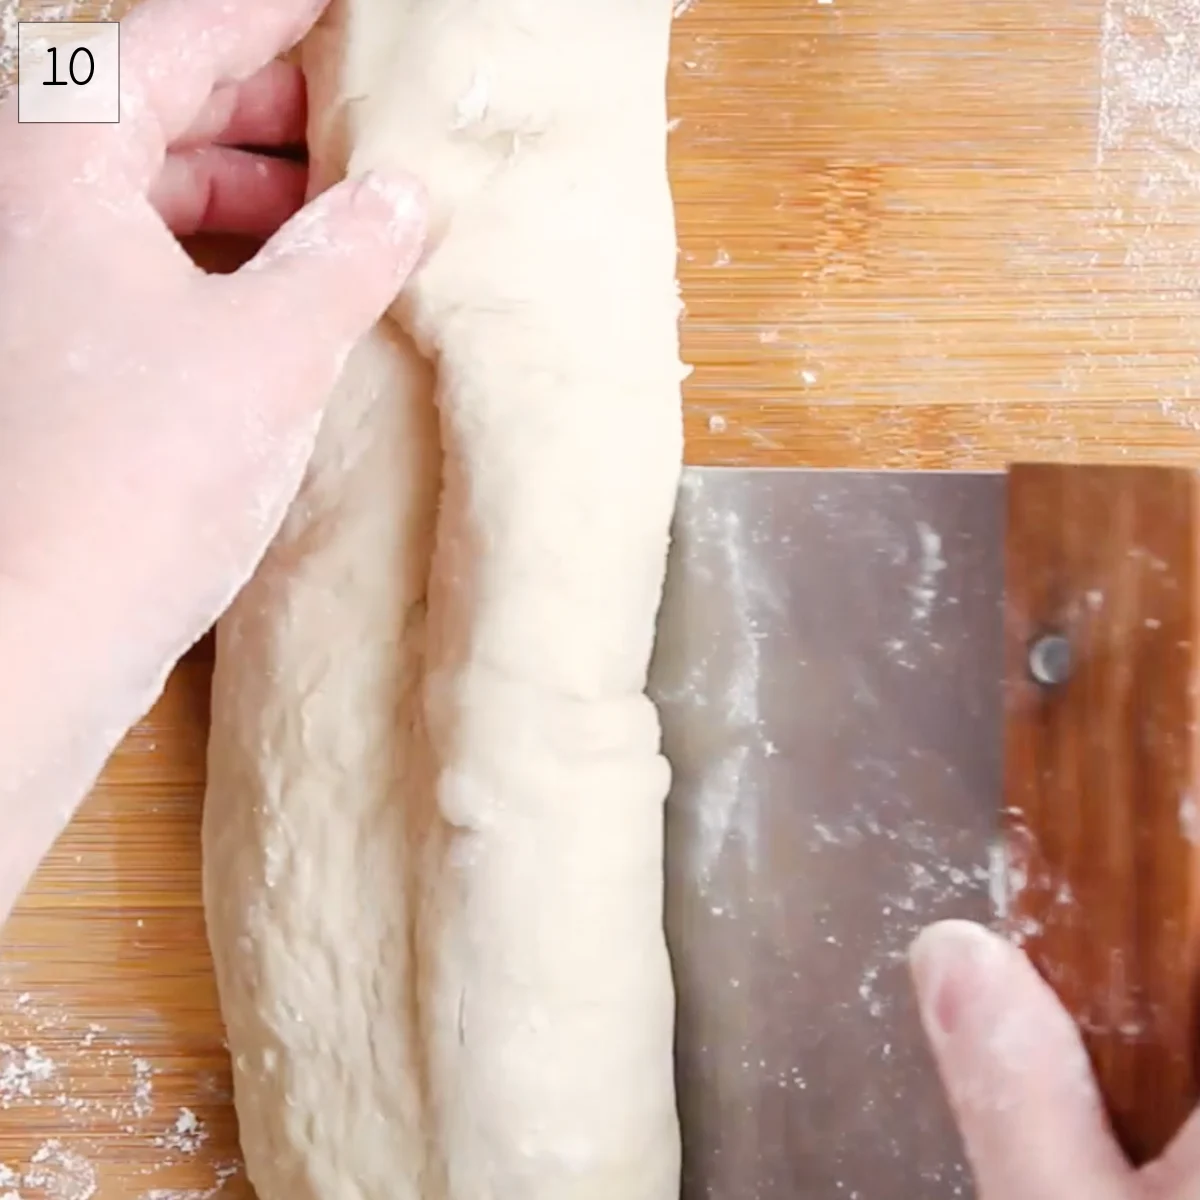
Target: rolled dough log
{"x": 433, "y": 831}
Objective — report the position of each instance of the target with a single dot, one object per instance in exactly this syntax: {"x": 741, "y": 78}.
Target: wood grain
{"x": 1102, "y": 809}
{"x": 943, "y": 233}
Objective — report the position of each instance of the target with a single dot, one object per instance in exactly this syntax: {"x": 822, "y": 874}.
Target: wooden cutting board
{"x": 943, "y": 233}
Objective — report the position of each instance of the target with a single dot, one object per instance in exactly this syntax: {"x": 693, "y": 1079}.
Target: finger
{"x": 332, "y": 270}
{"x": 268, "y": 109}
{"x": 1015, "y": 1070}
{"x": 218, "y": 189}
{"x": 176, "y": 53}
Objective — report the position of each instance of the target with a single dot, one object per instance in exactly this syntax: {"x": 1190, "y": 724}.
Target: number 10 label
{"x": 69, "y": 72}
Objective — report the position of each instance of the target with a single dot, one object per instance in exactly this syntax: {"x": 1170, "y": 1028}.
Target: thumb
{"x": 331, "y": 271}
{"x": 1015, "y": 1070}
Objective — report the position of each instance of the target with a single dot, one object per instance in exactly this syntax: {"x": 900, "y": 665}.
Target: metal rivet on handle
{"x": 1050, "y": 660}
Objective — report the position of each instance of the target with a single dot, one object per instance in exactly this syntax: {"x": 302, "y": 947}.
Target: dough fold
{"x": 433, "y": 830}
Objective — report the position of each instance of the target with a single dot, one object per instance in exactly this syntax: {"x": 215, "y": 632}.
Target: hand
{"x": 1020, "y": 1082}
{"x": 155, "y": 421}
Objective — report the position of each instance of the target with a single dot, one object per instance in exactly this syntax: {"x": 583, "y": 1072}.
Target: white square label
{"x": 69, "y": 72}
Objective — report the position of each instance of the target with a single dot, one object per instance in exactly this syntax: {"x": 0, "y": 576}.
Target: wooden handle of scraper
{"x": 1102, "y": 817}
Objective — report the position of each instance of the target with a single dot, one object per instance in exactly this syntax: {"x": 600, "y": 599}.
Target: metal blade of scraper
{"x": 828, "y": 669}
{"x": 1102, "y": 816}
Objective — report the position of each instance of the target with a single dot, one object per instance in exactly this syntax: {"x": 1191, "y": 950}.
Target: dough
{"x": 433, "y": 831}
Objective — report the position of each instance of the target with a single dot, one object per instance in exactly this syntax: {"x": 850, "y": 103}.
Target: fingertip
{"x": 1014, "y": 1067}
{"x": 369, "y": 212}
{"x": 953, "y": 964}
{"x": 333, "y": 269}
{"x": 366, "y": 232}
{"x": 986, "y": 1010}
{"x": 392, "y": 210}
{"x": 399, "y": 201}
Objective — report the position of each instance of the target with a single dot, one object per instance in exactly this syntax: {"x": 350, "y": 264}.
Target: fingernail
{"x": 953, "y": 964}
{"x": 405, "y": 198}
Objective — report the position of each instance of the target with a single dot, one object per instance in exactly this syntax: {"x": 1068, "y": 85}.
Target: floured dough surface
{"x": 433, "y": 832}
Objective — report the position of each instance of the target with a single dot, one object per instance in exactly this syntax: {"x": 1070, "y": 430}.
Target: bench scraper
{"x": 870, "y": 731}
